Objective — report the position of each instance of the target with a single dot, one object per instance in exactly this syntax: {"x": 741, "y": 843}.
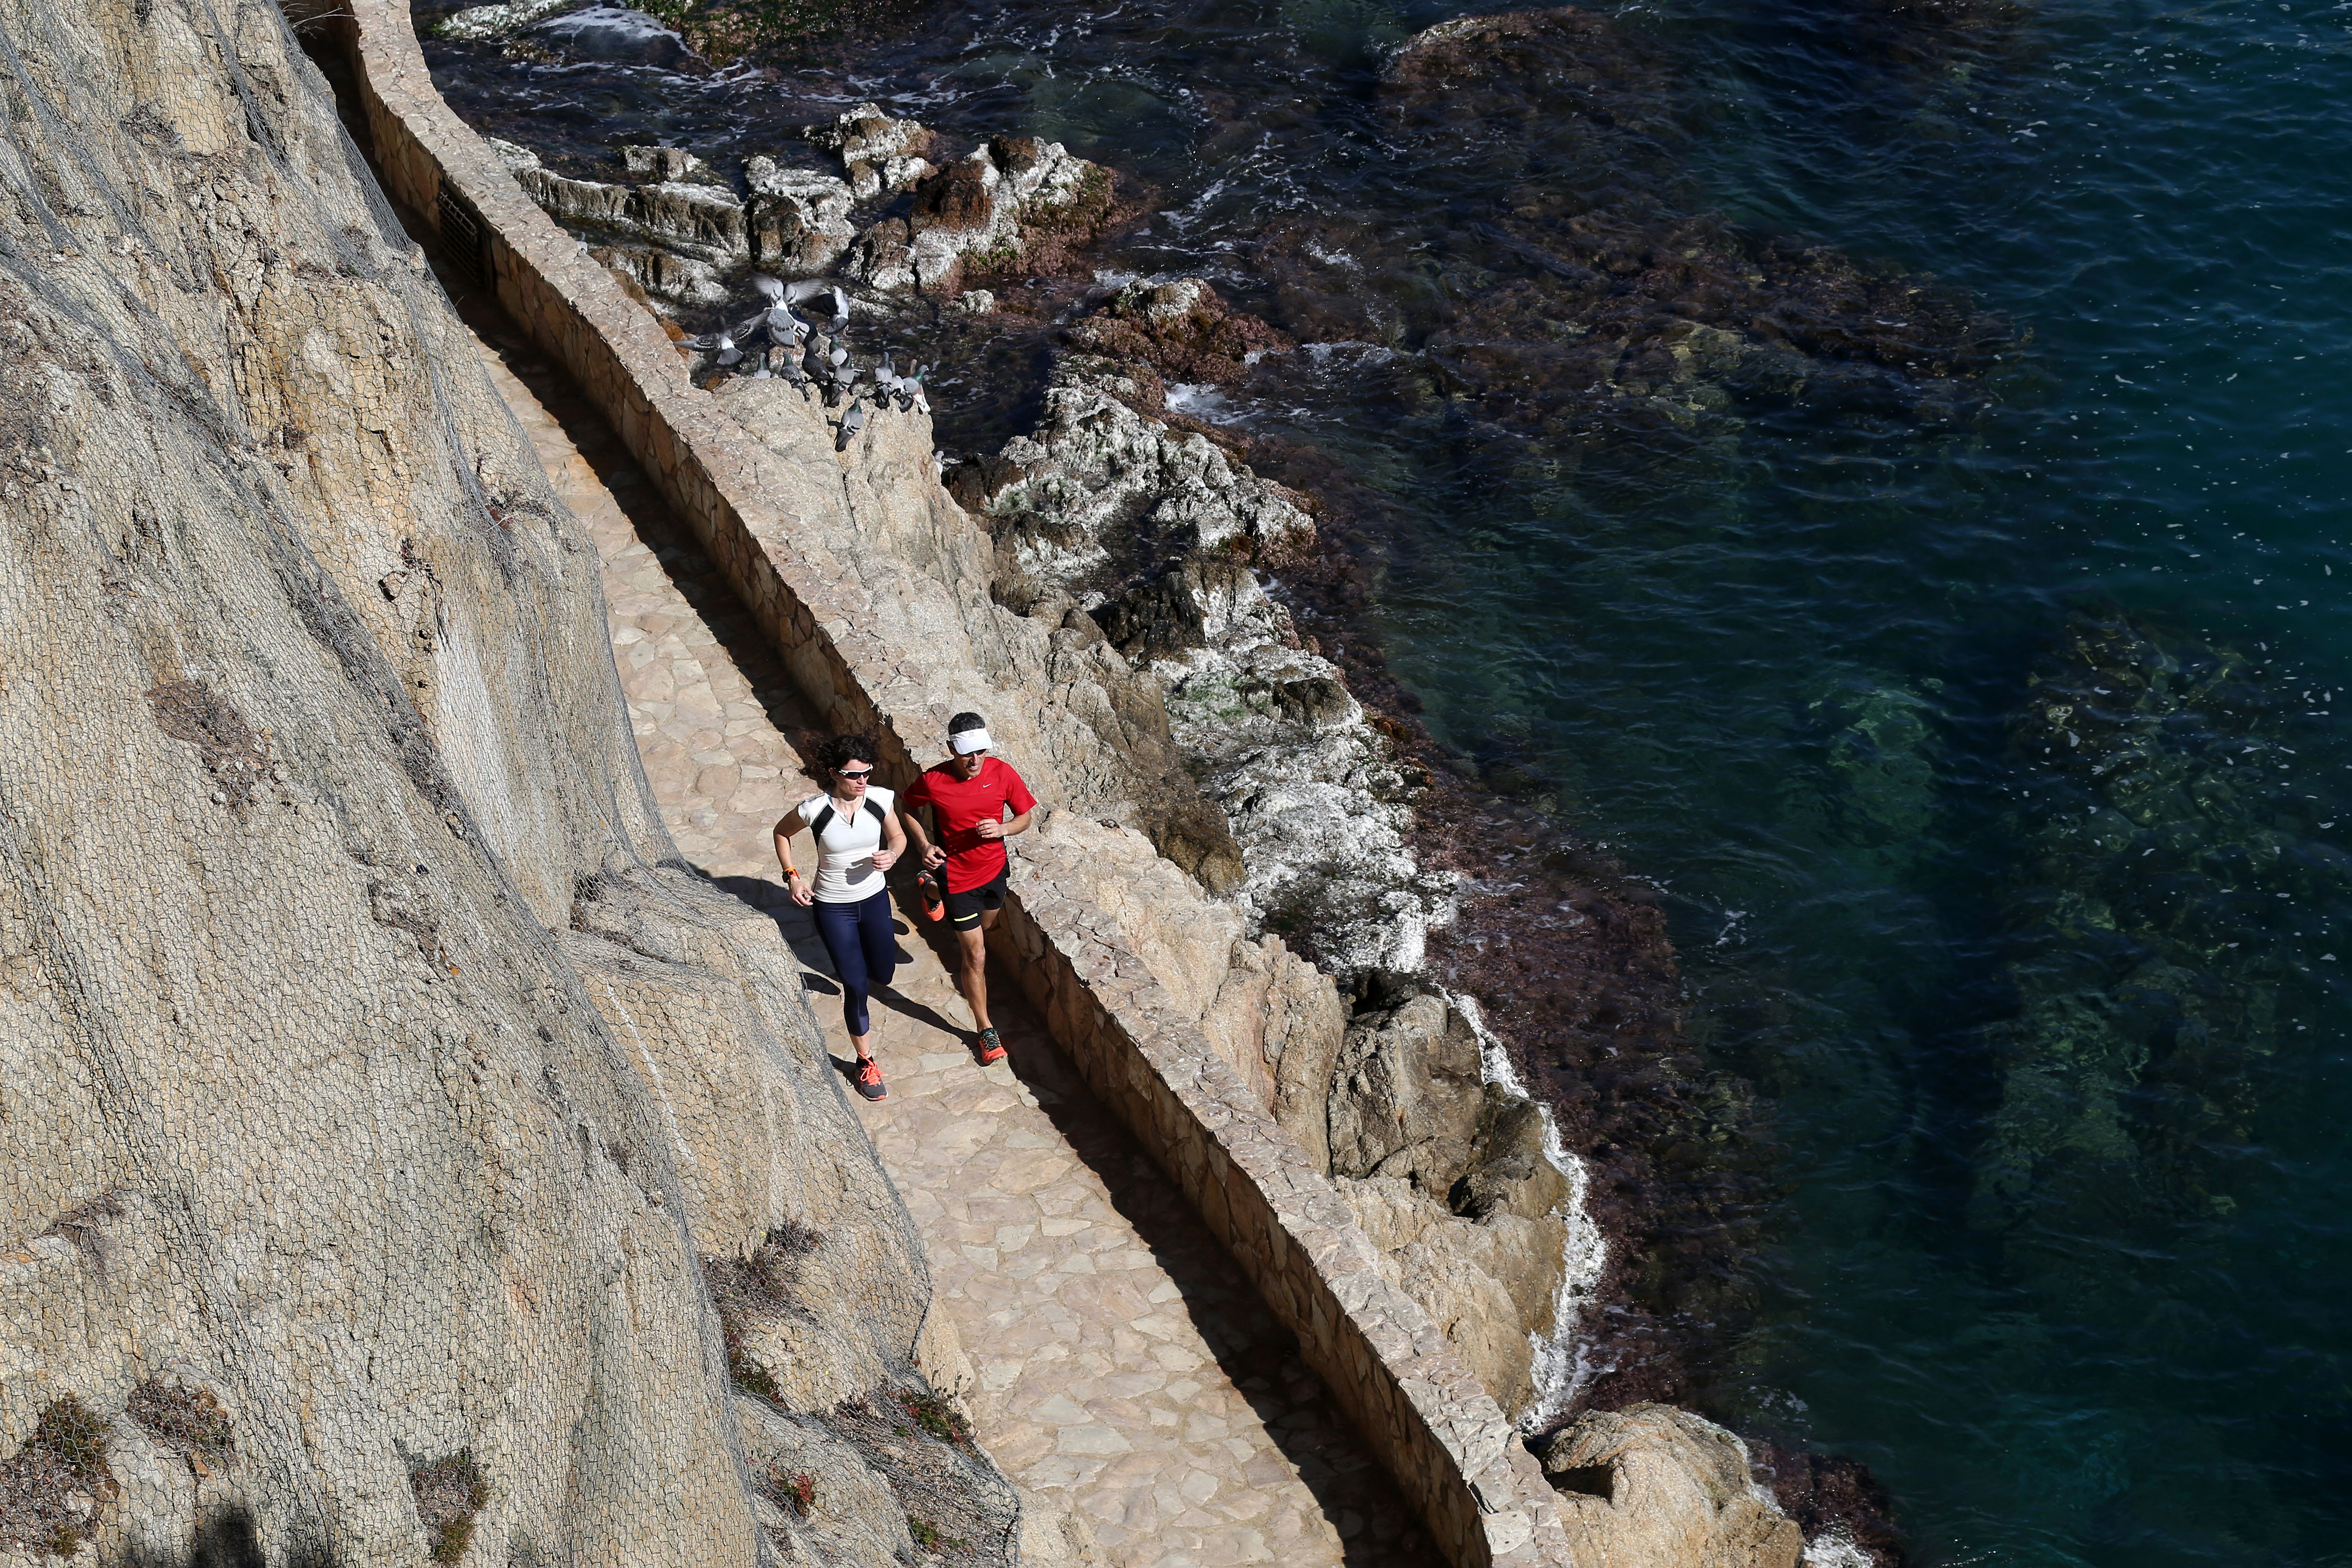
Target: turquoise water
{"x": 1982, "y": 733}
{"x": 1790, "y": 693}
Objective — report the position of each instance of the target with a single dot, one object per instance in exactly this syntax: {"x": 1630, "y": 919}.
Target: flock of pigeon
{"x": 797, "y": 338}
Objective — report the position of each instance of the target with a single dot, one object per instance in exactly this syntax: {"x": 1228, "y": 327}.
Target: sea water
{"x": 1988, "y": 749}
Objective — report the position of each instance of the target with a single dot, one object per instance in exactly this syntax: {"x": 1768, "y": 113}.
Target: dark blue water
{"x": 1983, "y": 731}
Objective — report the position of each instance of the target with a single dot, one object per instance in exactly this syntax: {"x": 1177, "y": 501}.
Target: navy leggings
{"x": 863, "y": 948}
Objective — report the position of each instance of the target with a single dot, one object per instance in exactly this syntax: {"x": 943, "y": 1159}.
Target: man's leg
{"x": 972, "y": 968}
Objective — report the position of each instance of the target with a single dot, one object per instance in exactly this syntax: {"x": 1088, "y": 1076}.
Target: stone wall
{"x": 1416, "y": 1402}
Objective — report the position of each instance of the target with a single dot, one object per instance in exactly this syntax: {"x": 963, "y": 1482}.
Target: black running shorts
{"x": 964, "y": 907}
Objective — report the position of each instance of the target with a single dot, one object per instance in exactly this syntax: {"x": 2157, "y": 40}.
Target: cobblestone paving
{"x": 1122, "y": 1361}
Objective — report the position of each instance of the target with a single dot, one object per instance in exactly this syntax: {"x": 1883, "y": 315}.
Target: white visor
{"x": 964, "y": 743}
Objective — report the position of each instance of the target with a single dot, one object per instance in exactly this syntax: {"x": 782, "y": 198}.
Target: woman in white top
{"x": 857, "y": 836}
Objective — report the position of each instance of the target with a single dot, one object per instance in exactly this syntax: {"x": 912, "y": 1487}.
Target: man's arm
{"x": 1005, "y": 829}
{"x": 909, "y": 813}
{"x": 1017, "y": 799}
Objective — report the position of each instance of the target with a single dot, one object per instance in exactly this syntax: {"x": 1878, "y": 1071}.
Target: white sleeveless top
{"x": 845, "y": 873}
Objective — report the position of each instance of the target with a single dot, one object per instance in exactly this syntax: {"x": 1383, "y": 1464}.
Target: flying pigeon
{"x": 850, "y": 424}
{"x": 820, "y": 303}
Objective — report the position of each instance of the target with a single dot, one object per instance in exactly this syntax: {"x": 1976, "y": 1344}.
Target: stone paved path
{"x": 1122, "y": 1360}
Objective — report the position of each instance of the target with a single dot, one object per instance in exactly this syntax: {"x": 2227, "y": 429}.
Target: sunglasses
{"x": 854, "y": 773}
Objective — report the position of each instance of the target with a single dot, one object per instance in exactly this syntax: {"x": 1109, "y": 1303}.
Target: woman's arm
{"x": 794, "y": 884}
{"x": 894, "y": 842}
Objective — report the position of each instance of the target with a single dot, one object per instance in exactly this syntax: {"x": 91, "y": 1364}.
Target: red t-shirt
{"x": 960, "y": 805}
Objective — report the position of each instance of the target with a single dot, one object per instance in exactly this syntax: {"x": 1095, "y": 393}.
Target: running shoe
{"x": 869, "y": 1079}
{"x": 934, "y": 887}
{"x": 992, "y": 1050}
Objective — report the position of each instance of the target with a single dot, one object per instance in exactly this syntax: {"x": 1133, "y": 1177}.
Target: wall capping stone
{"x": 1413, "y": 1399}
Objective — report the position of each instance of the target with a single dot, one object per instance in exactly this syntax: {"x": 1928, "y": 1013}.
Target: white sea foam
{"x": 1200, "y": 400}
{"x": 1837, "y": 1549}
{"x": 1562, "y": 1366}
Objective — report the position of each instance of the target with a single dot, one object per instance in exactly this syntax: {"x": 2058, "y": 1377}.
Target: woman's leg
{"x": 837, "y": 925}
{"x": 879, "y": 938}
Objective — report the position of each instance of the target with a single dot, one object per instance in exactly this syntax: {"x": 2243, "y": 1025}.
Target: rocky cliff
{"x": 378, "y": 1090}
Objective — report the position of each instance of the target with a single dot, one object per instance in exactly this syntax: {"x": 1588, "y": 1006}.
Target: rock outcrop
{"x": 878, "y": 153}
{"x": 678, "y": 231}
{"x": 1446, "y": 1172}
{"x": 373, "y": 1075}
{"x": 1154, "y": 528}
{"x": 1013, "y": 202}
{"x": 1655, "y": 1486}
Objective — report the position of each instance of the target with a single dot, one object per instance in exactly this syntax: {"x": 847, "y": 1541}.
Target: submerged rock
{"x": 1583, "y": 295}
{"x": 614, "y": 34}
{"x": 478, "y": 23}
{"x": 2167, "y": 877}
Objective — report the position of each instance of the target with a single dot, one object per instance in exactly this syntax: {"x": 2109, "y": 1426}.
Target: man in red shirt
{"x": 969, "y": 794}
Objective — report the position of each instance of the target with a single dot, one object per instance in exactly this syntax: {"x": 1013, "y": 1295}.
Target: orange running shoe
{"x": 933, "y": 886}
{"x": 869, "y": 1079}
{"x": 992, "y": 1050}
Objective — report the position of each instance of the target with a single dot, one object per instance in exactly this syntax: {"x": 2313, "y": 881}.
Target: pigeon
{"x": 850, "y": 424}
{"x": 791, "y": 371}
{"x": 896, "y": 388}
{"x": 767, "y": 287}
{"x": 719, "y": 345}
{"x": 819, "y": 303}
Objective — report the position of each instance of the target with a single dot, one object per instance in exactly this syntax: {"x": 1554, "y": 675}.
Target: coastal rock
{"x": 799, "y": 218}
{"x": 1655, "y": 1486}
{"x": 1151, "y": 526}
{"x": 1446, "y": 1174}
{"x": 879, "y": 153}
{"x": 1271, "y": 999}
{"x": 688, "y": 217}
{"x": 1183, "y": 329}
{"x": 404, "y": 1141}
{"x": 1490, "y": 1286}
{"x": 663, "y": 274}
{"x": 1406, "y": 1094}
{"x": 1509, "y": 1172}
{"x": 667, "y": 164}
{"x": 1015, "y": 203}
{"x": 883, "y": 257}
